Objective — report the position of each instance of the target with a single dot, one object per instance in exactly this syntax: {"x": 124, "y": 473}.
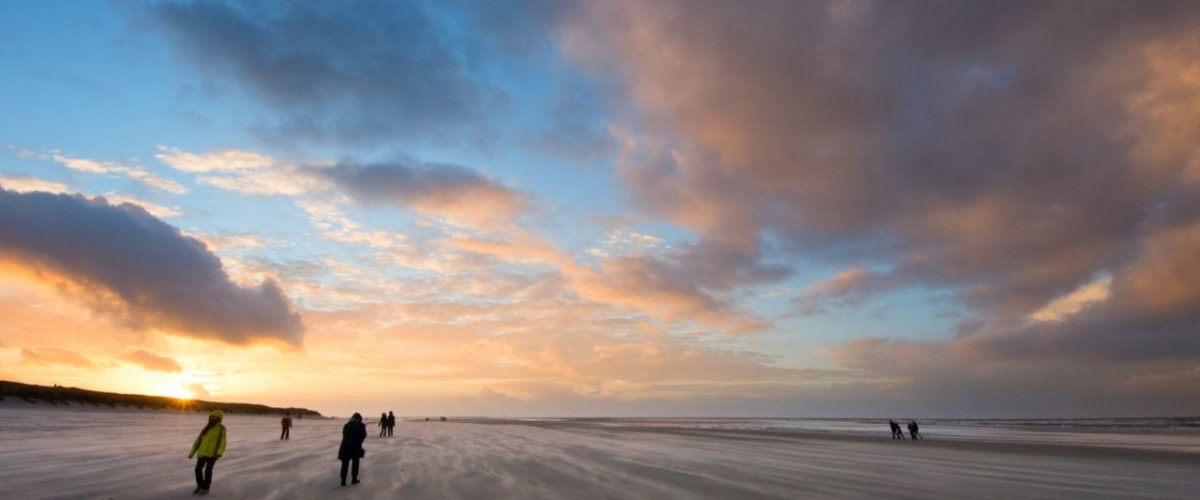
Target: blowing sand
{"x": 95, "y": 454}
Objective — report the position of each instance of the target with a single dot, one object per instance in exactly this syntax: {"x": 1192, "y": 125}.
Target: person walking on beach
{"x": 209, "y": 446}
{"x": 351, "y": 450}
{"x": 914, "y": 430}
{"x": 896, "y": 432}
{"x": 286, "y": 423}
{"x": 382, "y": 424}
{"x": 391, "y": 423}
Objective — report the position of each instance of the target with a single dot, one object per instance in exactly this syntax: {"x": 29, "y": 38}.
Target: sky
{"x": 619, "y": 208}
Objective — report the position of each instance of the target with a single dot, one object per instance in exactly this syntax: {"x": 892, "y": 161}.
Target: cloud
{"x": 944, "y": 140}
{"x": 1015, "y": 156}
{"x": 135, "y": 173}
{"x": 151, "y": 361}
{"x": 156, "y": 210}
{"x": 545, "y": 347}
{"x": 232, "y": 160}
{"x": 1119, "y": 345}
{"x": 1164, "y": 278}
{"x": 54, "y": 356}
{"x": 1094, "y": 291}
{"x": 456, "y": 193}
{"x": 25, "y": 184}
{"x": 677, "y": 286}
{"x": 453, "y": 193}
{"x": 229, "y": 241}
{"x": 355, "y": 71}
{"x": 132, "y": 266}
{"x": 282, "y": 181}
{"x": 198, "y": 390}
{"x": 336, "y": 226}
{"x": 244, "y": 172}
{"x": 849, "y": 287}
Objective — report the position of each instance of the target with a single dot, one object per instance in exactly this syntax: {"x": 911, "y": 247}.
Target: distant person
{"x": 286, "y": 423}
{"x": 351, "y": 450}
{"x": 391, "y": 423}
{"x": 896, "y": 432}
{"x": 914, "y": 430}
{"x": 209, "y": 446}
{"x": 382, "y": 424}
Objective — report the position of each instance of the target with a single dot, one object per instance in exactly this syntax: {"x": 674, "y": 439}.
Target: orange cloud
{"x": 55, "y": 356}
{"x": 640, "y": 283}
{"x": 151, "y": 361}
{"x": 1165, "y": 277}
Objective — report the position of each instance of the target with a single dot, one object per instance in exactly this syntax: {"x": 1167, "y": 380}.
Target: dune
{"x": 143, "y": 454}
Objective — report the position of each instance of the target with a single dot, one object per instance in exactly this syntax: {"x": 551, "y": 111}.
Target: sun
{"x": 177, "y": 392}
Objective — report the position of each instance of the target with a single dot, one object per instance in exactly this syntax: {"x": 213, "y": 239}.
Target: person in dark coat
{"x": 896, "y": 432}
{"x": 914, "y": 430}
{"x": 382, "y": 424}
{"x": 391, "y": 423}
{"x": 351, "y": 450}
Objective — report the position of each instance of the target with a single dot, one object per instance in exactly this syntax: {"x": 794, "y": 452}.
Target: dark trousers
{"x": 353, "y": 469}
{"x": 204, "y": 466}
{"x": 286, "y": 434}
{"x": 390, "y": 428}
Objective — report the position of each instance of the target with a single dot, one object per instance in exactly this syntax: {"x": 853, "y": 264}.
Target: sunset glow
{"x": 605, "y": 208}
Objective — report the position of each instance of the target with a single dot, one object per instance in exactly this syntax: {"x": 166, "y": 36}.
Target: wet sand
{"x": 97, "y": 454}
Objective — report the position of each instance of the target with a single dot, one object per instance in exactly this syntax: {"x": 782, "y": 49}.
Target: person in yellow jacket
{"x": 208, "y": 447}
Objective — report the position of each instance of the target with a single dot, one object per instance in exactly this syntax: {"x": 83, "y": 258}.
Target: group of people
{"x": 914, "y": 430}
{"x": 210, "y": 445}
{"x": 387, "y": 422}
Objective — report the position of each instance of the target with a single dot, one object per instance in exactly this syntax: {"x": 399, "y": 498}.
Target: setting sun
{"x": 176, "y": 391}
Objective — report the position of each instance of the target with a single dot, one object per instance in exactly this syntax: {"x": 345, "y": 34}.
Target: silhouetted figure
{"x": 286, "y": 423}
{"x": 208, "y": 447}
{"x": 382, "y": 424}
{"x": 914, "y": 430}
{"x": 351, "y": 450}
{"x": 443, "y": 419}
{"x": 896, "y": 432}
{"x": 391, "y": 423}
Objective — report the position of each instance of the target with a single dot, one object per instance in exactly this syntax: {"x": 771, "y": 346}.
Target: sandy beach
{"x": 85, "y": 453}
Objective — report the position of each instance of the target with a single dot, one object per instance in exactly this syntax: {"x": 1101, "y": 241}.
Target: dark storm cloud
{"x": 346, "y": 70}
{"x": 126, "y": 263}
